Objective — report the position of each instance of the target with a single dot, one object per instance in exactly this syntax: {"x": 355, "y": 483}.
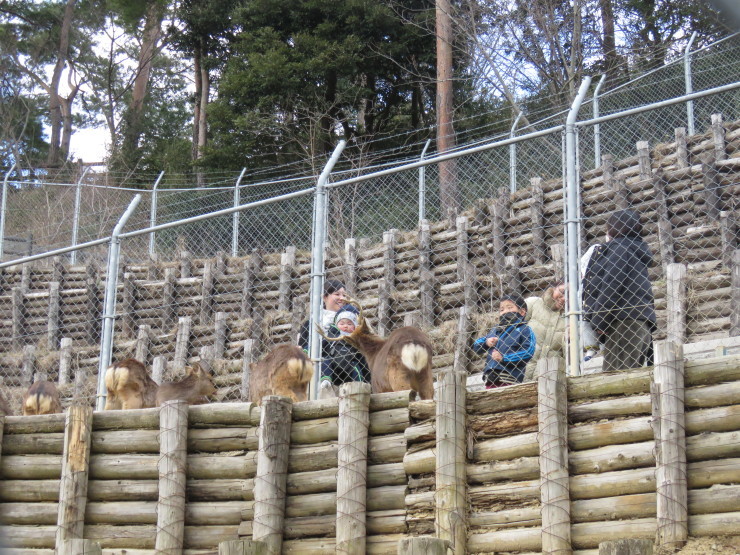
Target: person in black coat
{"x": 617, "y": 293}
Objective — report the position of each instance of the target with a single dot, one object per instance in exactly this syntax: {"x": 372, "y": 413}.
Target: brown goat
{"x": 129, "y": 386}
{"x": 286, "y": 370}
{"x": 401, "y": 361}
{"x": 194, "y": 388}
{"x": 41, "y": 398}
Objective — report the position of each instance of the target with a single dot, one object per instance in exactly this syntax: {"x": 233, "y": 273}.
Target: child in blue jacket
{"x": 508, "y": 346}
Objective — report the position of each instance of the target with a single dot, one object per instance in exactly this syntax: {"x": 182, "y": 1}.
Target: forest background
{"x": 198, "y": 86}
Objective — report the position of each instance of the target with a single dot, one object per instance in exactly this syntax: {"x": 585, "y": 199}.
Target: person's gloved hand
{"x": 325, "y": 384}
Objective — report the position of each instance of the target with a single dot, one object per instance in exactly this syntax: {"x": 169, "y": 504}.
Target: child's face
{"x": 346, "y": 325}
{"x": 507, "y": 306}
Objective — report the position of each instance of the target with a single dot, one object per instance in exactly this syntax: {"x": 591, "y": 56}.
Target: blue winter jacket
{"x": 516, "y": 344}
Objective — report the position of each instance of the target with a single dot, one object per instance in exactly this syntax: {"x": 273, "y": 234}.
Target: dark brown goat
{"x": 286, "y": 370}
{"x": 195, "y": 387}
{"x": 401, "y": 361}
{"x": 129, "y": 386}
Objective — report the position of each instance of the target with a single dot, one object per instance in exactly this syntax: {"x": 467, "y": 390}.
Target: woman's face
{"x": 335, "y": 301}
{"x": 558, "y": 296}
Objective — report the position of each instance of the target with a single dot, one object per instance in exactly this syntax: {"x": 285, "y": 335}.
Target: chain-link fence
{"x": 666, "y": 272}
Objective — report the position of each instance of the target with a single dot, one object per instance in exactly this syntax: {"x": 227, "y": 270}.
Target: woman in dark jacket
{"x": 617, "y": 294}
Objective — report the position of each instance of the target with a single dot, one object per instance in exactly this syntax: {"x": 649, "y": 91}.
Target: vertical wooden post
{"x": 247, "y": 360}
{"x": 557, "y": 254}
{"x": 28, "y": 364}
{"x": 465, "y": 268}
{"x": 2, "y": 428}
{"x": 242, "y": 547}
{"x": 272, "y": 471}
{"x": 539, "y": 243}
{"x": 169, "y": 308}
{"x": 206, "y": 293}
{"x": 159, "y": 364}
{"x": 78, "y": 547}
{"x": 186, "y": 265}
{"x": 667, "y": 392}
{"x": 154, "y": 270}
{"x": 626, "y": 547}
{"x": 622, "y": 193}
{"x": 57, "y": 269}
{"x": 451, "y": 440}
{"x": 728, "y": 229}
{"x": 143, "y": 343}
{"x": 350, "y": 265}
{"x": 75, "y": 468}
{"x": 426, "y": 275}
{"x": 252, "y": 266}
{"x": 499, "y": 215}
{"x": 172, "y": 466}
{"x": 390, "y": 238}
{"x": 182, "y": 342}
{"x": 26, "y": 277}
{"x": 607, "y": 170}
{"x": 643, "y": 159}
{"x": 65, "y": 360}
{"x": 712, "y": 201}
{"x": 552, "y": 413}
{"x": 19, "y": 317}
{"x": 52, "y": 327}
{"x": 93, "y": 308}
{"x": 423, "y": 545}
{"x": 384, "y": 307}
{"x": 665, "y": 227}
{"x": 682, "y": 150}
{"x": 80, "y": 388}
{"x": 735, "y": 301}
{"x": 354, "y": 421}
{"x": 219, "y": 336}
{"x": 718, "y": 137}
{"x": 676, "y": 277}
{"x": 510, "y": 280}
{"x": 287, "y": 265}
{"x": 128, "y": 308}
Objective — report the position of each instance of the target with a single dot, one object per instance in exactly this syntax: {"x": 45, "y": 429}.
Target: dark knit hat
{"x": 624, "y": 223}
{"x": 332, "y": 286}
{"x": 518, "y": 300}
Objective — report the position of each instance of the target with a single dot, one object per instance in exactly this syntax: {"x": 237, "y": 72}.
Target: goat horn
{"x": 322, "y": 334}
{"x": 361, "y": 316}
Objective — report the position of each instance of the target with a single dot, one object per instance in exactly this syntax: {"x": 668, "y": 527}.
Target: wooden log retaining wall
{"x": 422, "y": 276}
{"x": 609, "y": 471}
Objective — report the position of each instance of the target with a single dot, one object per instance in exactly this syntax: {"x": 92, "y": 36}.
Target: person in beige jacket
{"x": 545, "y": 317}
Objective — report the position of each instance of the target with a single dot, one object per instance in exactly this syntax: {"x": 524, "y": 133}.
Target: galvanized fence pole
{"x": 153, "y": 215}
{"x": 109, "y": 302}
{"x": 235, "y": 216}
{"x": 512, "y": 154}
{"x": 597, "y": 128}
{"x": 3, "y": 210}
{"x": 689, "y": 84}
{"x": 423, "y": 184}
{"x": 76, "y": 215}
{"x": 318, "y": 241}
{"x": 572, "y": 222}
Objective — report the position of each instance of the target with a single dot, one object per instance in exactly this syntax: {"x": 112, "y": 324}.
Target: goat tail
{"x": 415, "y": 357}
{"x": 39, "y": 403}
{"x": 300, "y": 368}
{"x": 115, "y": 377}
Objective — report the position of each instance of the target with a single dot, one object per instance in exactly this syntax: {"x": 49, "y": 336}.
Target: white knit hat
{"x": 346, "y": 315}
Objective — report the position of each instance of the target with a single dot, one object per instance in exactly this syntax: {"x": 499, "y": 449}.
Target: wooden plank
{"x": 65, "y": 360}
{"x": 75, "y": 471}
{"x": 718, "y": 137}
{"x": 451, "y": 441}
{"x": 128, "y": 305}
{"x": 287, "y": 264}
{"x": 350, "y": 265}
{"x": 93, "y": 308}
{"x": 78, "y": 546}
{"x": 52, "y": 327}
{"x": 676, "y": 278}
{"x": 354, "y": 422}
{"x": 252, "y": 266}
{"x": 465, "y": 269}
{"x": 272, "y": 469}
{"x": 423, "y": 545}
{"x": 539, "y": 244}
{"x": 220, "y": 328}
{"x": 553, "y": 442}
{"x": 665, "y": 227}
{"x": 735, "y": 300}
{"x": 682, "y": 151}
{"x": 499, "y": 214}
{"x": 172, "y": 471}
{"x": 182, "y": 342}
{"x": 18, "y": 322}
{"x": 242, "y": 547}
{"x": 728, "y": 229}
{"x": 206, "y": 294}
{"x": 426, "y": 275}
{"x": 143, "y": 343}
{"x": 669, "y": 425}
{"x": 169, "y": 308}
{"x": 248, "y": 359}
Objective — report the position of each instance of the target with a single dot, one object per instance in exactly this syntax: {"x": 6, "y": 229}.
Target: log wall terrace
{"x": 612, "y": 487}
{"x": 237, "y": 308}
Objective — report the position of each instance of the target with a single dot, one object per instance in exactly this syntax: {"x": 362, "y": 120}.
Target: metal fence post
{"x": 318, "y": 239}
{"x": 689, "y": 84}
{"x": 109, "y": 302}
{"x": 3, "y": 210}
{"x": 572, "y": 222}
{"x": 153, "y": 214}
{"x": 512, "y": 154}
{"x": 76, "y": 215}
{"x": 597, "y": 127}
{"x": 423, "y": 185}
{"x": 235, "y": 216}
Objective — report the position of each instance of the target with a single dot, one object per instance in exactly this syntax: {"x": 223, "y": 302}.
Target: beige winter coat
{"x": 548, "y": 325}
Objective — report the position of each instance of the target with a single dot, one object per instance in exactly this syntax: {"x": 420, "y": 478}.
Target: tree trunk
{"x": 448, "y": 188}
{"x": 66, "y": 110}
{"x": 149, "y": 45}
{"x": 205, "y": 84}
{"x": 196, "y": 102}
{"x": 608, "y": 44}
{"x": 55, "y": 105}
